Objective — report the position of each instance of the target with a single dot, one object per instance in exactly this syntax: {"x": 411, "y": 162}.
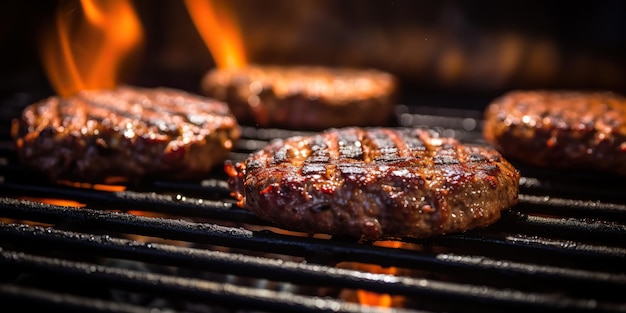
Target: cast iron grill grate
{"x": 185, "y": 247}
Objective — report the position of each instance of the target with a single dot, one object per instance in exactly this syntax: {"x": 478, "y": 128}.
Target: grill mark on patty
{"x": 99, "y": 110}
{"x": 120, "y": 109}
{"x": 475, "y": 157}
{"x": 319, "y": 151}
{"x": 147, "y": 114}
{"x": 168, "y": 116}
{"x": 413, "y": 143}
{"x": 407, "y": 145}
{"x": 446, "y": 156}
{"x": 386, "y": 149}
{"x": 318, "y": 157}
{"x": 350, "y": 146}
{"x": 150, "y": 120}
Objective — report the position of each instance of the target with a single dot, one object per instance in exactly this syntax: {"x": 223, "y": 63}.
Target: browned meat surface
{"x": 375, "y": 183}
{"x": 304, "y": 97}
{"x": 129, "y": 133}
{"x": 560, "y": 129}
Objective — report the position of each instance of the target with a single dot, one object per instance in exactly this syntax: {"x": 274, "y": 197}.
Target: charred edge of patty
{"x": 236, "y": 173}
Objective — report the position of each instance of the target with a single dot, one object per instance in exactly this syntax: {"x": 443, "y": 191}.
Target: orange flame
{"x": 372, "y": 298}
{"x": 85, "y": 51}
{"x": 72, "y": 203}
{"x": 216, "y": 24}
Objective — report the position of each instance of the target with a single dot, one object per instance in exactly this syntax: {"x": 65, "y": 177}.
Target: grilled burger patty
{"x": 375, "y": 183}
{"x": 304, "y": 97}
{"x": 127, "y": 132}
{"x": 560, "y": 129}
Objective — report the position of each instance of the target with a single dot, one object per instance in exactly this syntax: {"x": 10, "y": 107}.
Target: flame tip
{"x": 86, "y": 50}
{"x": 217, "y": 26}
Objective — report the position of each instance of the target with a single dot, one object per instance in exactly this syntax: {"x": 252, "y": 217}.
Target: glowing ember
{"x": 103, "y": 187}
{"x": 216, "y": 24}
{"x": 53, "y": 201}
{"x": 88, "y": 43}
{"x": 372, "y": 298}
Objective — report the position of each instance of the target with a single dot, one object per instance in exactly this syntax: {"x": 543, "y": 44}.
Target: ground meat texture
{"x": 560, "y": 129}
{"x": 127, "y": 133}
{"x": 305, "y": 97}
{"x": 375, "y": 183}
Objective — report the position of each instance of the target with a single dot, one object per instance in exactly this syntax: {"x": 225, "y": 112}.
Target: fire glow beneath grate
{"x": 185, "y": 246}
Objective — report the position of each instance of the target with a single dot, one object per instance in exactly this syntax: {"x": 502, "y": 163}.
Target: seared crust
{"x": 304, "y": 97}
{"x": 375, "y": 183}
{"x": 560, "y": 129}
{"x": 127, "y": 133}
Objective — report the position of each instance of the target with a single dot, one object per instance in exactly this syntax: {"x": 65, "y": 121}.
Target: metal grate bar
{"x": 586, "y": 229}
{"x": 573, "y": 187}
{"x": 199, "y": 232}
{"x": 175, "y": 204}
{"x": 291, "y": 271}
{"x": 567, "y": 206}
{"x": 535, "y": 243}
{"x": 26, "y": 298}
{"x": 267, "y": 299}
{"x": 183, "y": 205}
{"x": 199, "y": 289}
{"x": 186, "y": 205}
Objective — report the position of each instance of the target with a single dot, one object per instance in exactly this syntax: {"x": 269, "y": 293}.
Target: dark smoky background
{"x": 451, "y": 48}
